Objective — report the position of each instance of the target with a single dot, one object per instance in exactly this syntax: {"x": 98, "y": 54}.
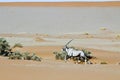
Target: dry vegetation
{"x": 61, "y": 55}
{"x": 103, "y": 28}
{"x": 39, "y": 39}
{"x": 6, "y": 50}
{"x": 118, "y": 36}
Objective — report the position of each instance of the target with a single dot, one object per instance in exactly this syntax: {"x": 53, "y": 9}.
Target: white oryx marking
{"x": 73, "y": 53}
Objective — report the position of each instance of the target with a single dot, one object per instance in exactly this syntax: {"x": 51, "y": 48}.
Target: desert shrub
{"x": 103, "y": 28}
{"x": 86, "y": 33}
{"x": 36, "y": 58}
{"x": 28, "y": 56}
{"x": 15, "y": 55}
{"x": 39, "y": 39}
{"x": 4, "y": 47}
{"x": 18, "y": 45}
{"x": 60, "y": 55}
{"x": 24, "y": 56}
{"x": 6, "y": 51}
{"x": 103, "y": 63}
{"x": 118, "y": 36}
{"x": 87, "y": 53}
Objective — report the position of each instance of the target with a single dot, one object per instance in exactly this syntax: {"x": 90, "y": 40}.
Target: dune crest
{"x": 58, "y": 4}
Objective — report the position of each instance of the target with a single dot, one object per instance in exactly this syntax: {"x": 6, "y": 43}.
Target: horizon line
{"x": 65, "y": 4}
{"x": 65, "y": 1}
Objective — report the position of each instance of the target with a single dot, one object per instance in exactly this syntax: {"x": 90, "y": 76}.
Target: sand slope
{"x": 67, "y": 18}
{"x": 65, "y": 4}
{"x": 51, "y": 69}
{"x": 57, "y": 71}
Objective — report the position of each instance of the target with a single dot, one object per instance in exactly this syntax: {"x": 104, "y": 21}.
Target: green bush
{"x": 60, "y": 55}
{"x": 15, "y": 55}
{"x": 87, "y": 53}
{"x": 6, "y": 51}
{"x": 24, "y": 56}
{"x": 35, "y": 58}
{"x": 28, "y": 56}
{"x": 4, "y": 47}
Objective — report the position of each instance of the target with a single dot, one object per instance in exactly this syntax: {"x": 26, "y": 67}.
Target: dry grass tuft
{"x": 103, "y": 28}
{"x": 118, "y": 36}
{"x": 39, "y": 39}
{"x": 103, "y": 62}
{"x": 86, "y": 33}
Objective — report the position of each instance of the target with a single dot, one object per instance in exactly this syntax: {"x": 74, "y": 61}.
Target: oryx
{"x": 74, "y": 53}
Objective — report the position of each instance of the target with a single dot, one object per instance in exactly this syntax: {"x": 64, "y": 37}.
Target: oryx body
{"x": 74, "y": 53}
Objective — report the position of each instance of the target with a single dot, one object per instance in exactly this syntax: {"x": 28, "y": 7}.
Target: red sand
{"x": 58, "y": 4}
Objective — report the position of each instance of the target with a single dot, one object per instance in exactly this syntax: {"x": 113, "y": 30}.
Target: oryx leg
{"x": 66, "y": 58}
{"x": 79, "y": 59}
{"x": 85, "y": 60}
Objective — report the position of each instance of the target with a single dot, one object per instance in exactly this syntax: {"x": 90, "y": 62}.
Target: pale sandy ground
{"x": 105, "y": 46}
{"x": 28, "y": 70}
{"x": 51, "y": 69}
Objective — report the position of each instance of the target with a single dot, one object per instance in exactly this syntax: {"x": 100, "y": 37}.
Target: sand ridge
{"x": 104, "y": 46}
{"x": 62, "y": 4}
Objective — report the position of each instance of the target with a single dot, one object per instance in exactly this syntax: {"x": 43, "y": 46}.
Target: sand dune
{"x": 59, "y": 71}
{"x": 61, "y": 4}
{"x": 43, "y": 28}
{"x": 51, "y": 69}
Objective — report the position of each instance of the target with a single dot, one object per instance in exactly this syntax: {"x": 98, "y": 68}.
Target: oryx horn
{"x": 69, "y": 42}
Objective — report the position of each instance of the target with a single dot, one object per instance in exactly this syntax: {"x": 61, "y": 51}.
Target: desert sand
{"x": 101, "y": 37}
{"x": 62, "y": 4}
{"x": 51, "y": 69}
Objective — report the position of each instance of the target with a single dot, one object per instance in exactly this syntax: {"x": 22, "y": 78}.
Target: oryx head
{"x": 64, "y": 48}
